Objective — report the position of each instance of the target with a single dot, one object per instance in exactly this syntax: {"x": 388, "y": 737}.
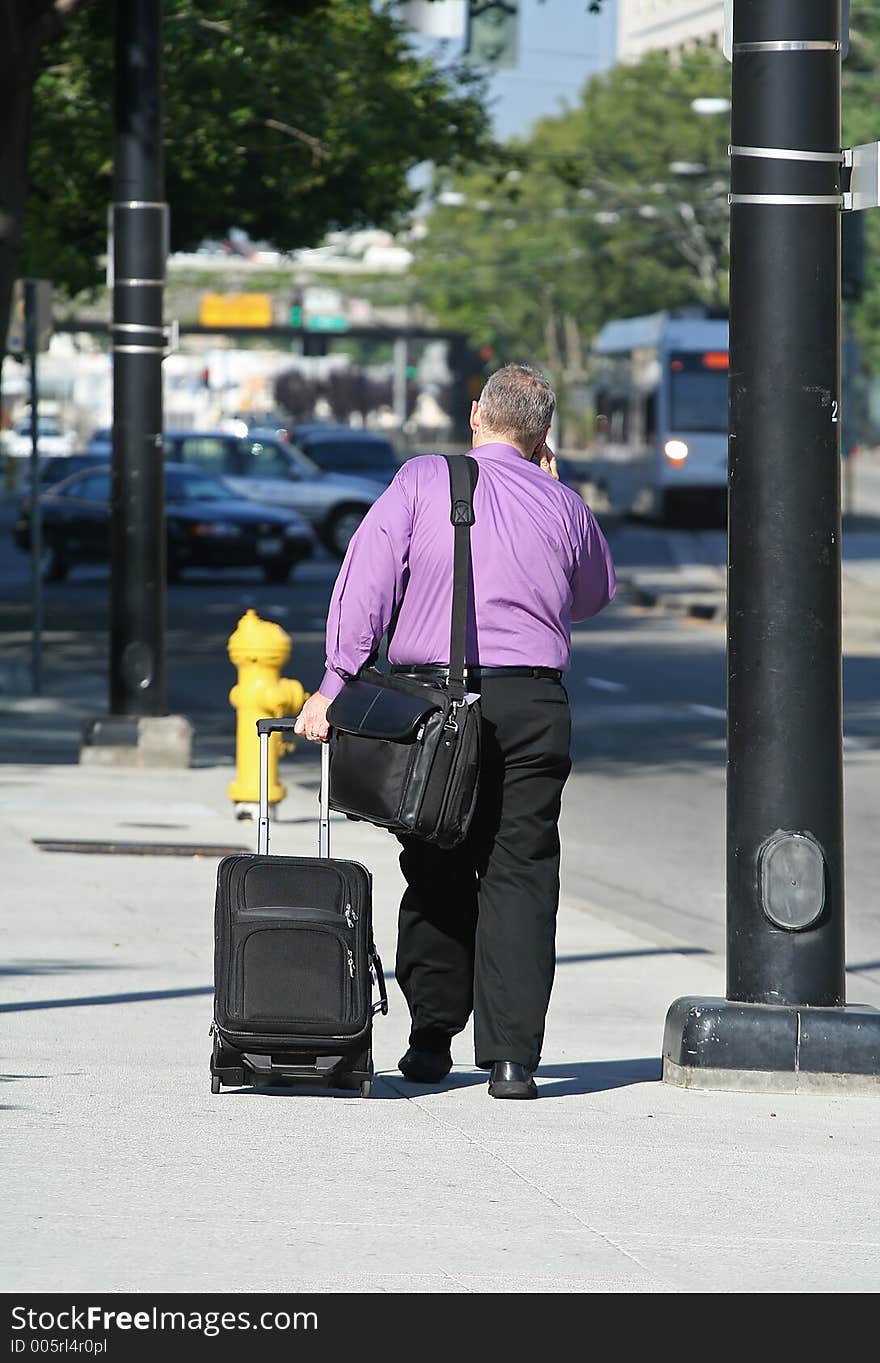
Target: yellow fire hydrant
{"x": 259, "y": 649}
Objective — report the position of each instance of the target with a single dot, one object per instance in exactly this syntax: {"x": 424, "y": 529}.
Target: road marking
{"x": 600, "y": 684}
{"x": 711, "y": 712}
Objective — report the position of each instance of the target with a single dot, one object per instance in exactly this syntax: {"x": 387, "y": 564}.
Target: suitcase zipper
{"x": 350, "y": 962}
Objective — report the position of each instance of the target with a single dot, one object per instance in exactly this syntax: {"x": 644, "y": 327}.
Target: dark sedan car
{"x": 208, "y": 526}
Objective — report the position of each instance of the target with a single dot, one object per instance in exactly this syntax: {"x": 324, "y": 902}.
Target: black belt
{"x": 477, "y": 673}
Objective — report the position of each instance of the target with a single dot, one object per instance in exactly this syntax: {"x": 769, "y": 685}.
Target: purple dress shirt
{"x": 539, "y": 561}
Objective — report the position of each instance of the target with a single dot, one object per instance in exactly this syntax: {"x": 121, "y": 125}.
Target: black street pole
{"x": 784, "y": 767}
{"x": 783, "y": 1024}
{"x": 36, "y": 510}
{"x": 139, "y": 216}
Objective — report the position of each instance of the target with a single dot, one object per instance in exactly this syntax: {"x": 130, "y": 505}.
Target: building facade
{"x": 646, "y": 25}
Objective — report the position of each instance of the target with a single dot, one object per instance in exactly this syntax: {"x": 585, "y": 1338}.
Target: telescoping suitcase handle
{"x": 285, "y": 725}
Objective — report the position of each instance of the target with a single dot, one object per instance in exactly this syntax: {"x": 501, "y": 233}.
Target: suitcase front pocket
{"x": 293, "y": 976}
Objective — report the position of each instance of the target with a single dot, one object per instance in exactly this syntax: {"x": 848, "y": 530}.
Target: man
{"x": 477, "y": 923}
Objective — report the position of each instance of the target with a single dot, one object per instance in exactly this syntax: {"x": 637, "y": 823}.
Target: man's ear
{"x": 475, "y": 417}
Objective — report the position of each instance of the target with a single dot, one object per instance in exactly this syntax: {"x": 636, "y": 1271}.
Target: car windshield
{"x": 267, "y": 439}
{"x": 192, "y": 487}
{"x": 352, "y": 454}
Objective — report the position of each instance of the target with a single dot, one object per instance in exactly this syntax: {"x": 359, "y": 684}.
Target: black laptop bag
{"x": 294, "y": 961}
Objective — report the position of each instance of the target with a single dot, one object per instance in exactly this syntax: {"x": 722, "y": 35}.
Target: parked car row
{"x": 231, "y": 500}
{"x": 208, "y": 525}
{"x": 267, "y": 468}
{"x": 332, "y": 446}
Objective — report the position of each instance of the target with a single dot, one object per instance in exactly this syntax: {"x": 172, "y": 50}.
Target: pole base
{"x": 713, "y": 1043}
{"x": 136, "y": 741}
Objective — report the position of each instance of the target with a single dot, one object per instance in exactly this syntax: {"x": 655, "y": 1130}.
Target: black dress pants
{"x": 477, "y": 923}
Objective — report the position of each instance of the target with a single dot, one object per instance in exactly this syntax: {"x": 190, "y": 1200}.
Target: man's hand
{"x": 312, "y": 719}
{"x": 547, "y": 461}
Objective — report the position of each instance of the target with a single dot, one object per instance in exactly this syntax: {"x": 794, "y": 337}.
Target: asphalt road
{"x": 643, "y": 818}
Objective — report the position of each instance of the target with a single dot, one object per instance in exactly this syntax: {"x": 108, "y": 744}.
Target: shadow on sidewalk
{"x": 596, "y": 1076}
{"x": 554, "y": 1081}
{"x": 91, "y": 1001}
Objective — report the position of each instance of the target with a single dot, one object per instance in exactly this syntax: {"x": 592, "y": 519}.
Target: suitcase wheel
{"x": 215, "y": 1083}
{"x": 366, "y": 1086}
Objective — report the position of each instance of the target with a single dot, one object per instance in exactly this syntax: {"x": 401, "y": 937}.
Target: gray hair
{"x": 519, "y": 402}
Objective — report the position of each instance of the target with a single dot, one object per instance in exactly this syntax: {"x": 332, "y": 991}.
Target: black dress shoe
{"x": 425, "y": 1067}
{"x": 510, "y": 1080}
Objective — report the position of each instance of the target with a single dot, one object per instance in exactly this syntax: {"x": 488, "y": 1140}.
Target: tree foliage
{"x": 861, "y": 123}
{"x": 617, "y": 206}
{"x": 283, "y": 117}
{"x": 591, "y": 216}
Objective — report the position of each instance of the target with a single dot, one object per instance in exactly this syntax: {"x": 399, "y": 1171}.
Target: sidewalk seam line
{"x": 566, "y": 1211}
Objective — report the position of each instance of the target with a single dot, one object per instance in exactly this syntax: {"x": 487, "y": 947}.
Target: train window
{"x": 699, "y": 401}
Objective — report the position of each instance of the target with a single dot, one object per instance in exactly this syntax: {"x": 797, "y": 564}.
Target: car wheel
{"x": 277, "y": 570}
{"x": 341, "y": 527}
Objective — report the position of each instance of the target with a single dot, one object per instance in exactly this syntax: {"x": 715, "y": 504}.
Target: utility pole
{"x": 784, "y": 1025}
{"x": 36, "y": 510}
{"x": 138, "y": 731}
{"x": 140, "y": 216}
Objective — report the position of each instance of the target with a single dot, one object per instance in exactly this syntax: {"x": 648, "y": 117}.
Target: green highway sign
{"x": 328, "y": 323}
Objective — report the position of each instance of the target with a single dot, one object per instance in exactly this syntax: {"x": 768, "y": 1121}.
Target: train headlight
{"x": 676, "y": 451}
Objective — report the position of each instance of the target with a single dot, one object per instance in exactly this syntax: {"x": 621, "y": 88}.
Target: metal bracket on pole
{"x": 794, "y": 200}
{"x": 786, "y": 154}
{"x": 864, "y": 183}
{"x": 172, "y": 336}
{"x": 727, "y": 37}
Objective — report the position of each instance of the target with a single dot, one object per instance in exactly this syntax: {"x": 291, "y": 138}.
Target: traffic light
{"x": 314, "y": 343}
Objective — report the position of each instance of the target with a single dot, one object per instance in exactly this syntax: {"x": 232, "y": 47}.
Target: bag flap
{"x": 379, "y": 711}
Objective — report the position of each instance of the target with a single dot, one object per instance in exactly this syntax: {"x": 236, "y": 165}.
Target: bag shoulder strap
{"x": 463, "y": 475}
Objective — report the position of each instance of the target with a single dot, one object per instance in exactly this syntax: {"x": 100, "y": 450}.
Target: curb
{"x": 707, "y": 606}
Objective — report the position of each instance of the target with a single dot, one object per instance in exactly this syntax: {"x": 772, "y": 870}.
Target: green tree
{"x": 616, "y": 207}
{"x": 283, "y": 117}
{"x": 861, "y": 123}
{"x": 587, "y": 218}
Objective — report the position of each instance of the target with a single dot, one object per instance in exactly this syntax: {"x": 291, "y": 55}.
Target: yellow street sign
{"x": 236, "y": 310}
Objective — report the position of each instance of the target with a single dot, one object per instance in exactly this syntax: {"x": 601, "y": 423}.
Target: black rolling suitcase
{"x": 294, "y": 960}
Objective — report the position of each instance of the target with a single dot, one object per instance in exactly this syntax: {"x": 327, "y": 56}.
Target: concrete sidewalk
{"x": 123, "y": 1173}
